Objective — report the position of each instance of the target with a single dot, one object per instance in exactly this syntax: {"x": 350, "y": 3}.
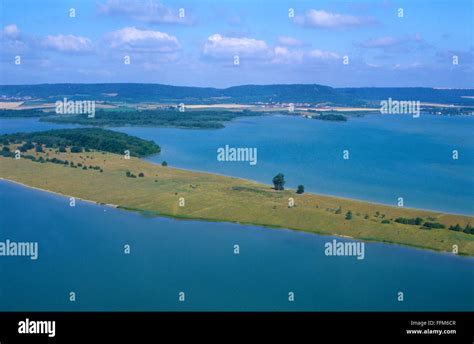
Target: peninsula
{"x": 90, "y": 164}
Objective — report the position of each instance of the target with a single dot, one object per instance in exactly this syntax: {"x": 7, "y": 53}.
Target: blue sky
{"x": 199, "y": 48}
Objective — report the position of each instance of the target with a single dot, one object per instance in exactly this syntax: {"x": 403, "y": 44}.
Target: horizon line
{"x": 223, "y": 88}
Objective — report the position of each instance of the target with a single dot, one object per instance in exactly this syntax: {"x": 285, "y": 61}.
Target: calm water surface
{"x": 81, "y": 248}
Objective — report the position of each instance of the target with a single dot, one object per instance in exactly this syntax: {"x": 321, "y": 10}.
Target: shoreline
{"x": 58, "y": 193}
{"x": 273, "y": 227}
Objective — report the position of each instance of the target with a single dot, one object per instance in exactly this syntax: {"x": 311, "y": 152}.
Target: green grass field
{"x": 219, "y": 198}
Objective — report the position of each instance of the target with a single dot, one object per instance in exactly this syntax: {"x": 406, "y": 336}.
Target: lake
{"x": 81, "y": 248}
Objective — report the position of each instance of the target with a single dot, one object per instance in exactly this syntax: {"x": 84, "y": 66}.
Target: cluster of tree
{"x": 76, "y": 149}
{"x": 435, "y": 225}
{"x": 57, "y": 161}
{"x": 84, "y": 139}
{"x": 409, "y": 221}
{"x": 6, "y": 113}
{"x": 468, "y": 229}
{"x": 331, "y": 117}
{"x": 26, "y": 146}
{"x": 279, "y": 183}
{"x": 208, "y": 119}
{"x": 6, "y": 152}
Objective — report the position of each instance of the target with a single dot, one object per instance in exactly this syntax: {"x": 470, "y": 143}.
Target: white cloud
{"x": 11, "y": 31}
{"x": 289, "y": 41}
{"x": 328, "y": 20}
{"x": 395, "y": 43}
{"x": 131, "y": 38}
{"x": 11, "y": 41}
{"x": 218, "y": 45}
{"x": 322, "y": 54}
{"x": 149, "y": 11}
{"x": 68, "y": 43}
{"x": 285, "y": 56}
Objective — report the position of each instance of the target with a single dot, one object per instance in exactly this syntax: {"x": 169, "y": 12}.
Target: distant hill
{"x": 296, "y": 93}
{"x": 422, "y": 94}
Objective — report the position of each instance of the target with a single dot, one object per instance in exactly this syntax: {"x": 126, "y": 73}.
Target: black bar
{"x": 321, "y": 327}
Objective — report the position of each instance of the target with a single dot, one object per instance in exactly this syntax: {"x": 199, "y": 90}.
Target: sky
{"x": 223, "y": 43}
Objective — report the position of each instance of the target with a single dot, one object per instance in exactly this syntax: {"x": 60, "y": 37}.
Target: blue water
{"x": 81, "y": 250}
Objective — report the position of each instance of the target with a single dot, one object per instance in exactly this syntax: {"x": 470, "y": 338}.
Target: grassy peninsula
{"x": 49, "y": 161}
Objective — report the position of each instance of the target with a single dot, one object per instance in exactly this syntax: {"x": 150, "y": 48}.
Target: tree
{"x": 62, "y": 149}
{"x": 349, "y": 215}
{"x": 300, "y": 189}
{"x": 468, "y": 229}
{"x": 456, "y": 228}
{"x": 279, "y": 181}
{"x": 76, "y": 149}
{"x": 27, "y": 146}
{"x": 39, "y": 149}
{"x": 141, "y": 174}
{"x": 164, "y": 163}
{"x": 435, "y": 225}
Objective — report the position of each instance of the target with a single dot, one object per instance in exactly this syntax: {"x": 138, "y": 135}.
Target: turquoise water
{"x": 81, "y": 248}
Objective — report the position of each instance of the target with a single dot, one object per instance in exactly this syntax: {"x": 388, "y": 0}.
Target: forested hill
{"x": 85, "y": 138}
{"x": 297, "y": 93}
